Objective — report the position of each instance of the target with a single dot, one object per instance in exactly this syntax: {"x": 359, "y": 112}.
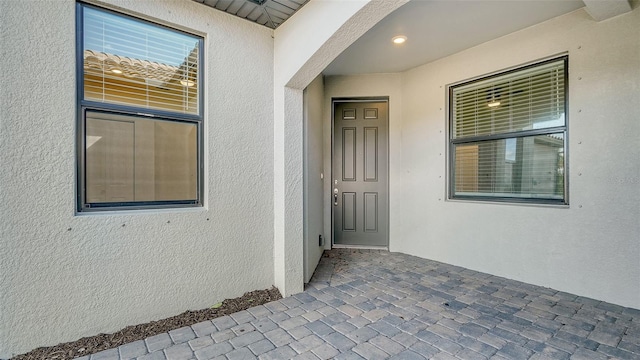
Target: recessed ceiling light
{"x": 116, "y": 71}
{"x": 493, "y": 104}
{"x": 188, "y": 83}
{"x": 399, "y": 39}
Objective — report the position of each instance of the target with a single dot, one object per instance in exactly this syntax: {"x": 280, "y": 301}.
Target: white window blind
{"x": 507, "y": 138}
{"x": 136, "y": 63}
{"x": 517, "y": 101}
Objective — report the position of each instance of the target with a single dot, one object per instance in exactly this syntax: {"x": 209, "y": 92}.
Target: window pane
{"x": 130, "y": 159}
{"x": 524, "y": 167}
{"x": 525, "y": 100}
{"x": 131, "y": 62}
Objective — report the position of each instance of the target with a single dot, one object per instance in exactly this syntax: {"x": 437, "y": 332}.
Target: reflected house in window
{"x": 122, "y": 80}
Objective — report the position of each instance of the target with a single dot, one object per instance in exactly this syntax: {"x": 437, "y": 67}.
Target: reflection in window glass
{"x": 526, "y": 167}
{"x": 516, "y": 101}
{"x": 507, "y": 138}
{"x": 130, "y": 62}
{"x": 131, "y": 159}
{"x": 139, "y": 123}
{"x": 510, "y": 150}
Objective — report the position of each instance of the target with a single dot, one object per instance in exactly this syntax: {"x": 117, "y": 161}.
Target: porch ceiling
{"x": 434, "y": 29}
{"x": 270, "y": 13}
{"x": 437, "y": 29}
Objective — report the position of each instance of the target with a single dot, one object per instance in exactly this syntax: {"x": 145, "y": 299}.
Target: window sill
{"x": 120, "y": 212}
{"x": 511, "y": 203}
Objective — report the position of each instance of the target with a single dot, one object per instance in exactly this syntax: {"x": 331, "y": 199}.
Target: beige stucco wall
{"x": 304, "y": 45}
{"x": 590, "y": 248}
{"x": 313, "y": 175}
{"x": 64, "y": 276}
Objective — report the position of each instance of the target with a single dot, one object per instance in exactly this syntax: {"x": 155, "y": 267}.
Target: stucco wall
{"x": 371, "y": 85}
{"x": 64, "y": 276}
{"x": 590, "y": 248}
{"x": 313, "y": 173}
{"x": 304, "y": 45}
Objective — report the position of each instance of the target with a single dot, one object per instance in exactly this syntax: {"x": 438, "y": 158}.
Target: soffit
{"x": 436, "y": 29}
{"x": 270, "y": 13}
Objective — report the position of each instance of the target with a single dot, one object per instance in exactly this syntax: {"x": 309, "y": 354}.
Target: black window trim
{"x": 82, "y": 106}
{"x": 450, "y": 171}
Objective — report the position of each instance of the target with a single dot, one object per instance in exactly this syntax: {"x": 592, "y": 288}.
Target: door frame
{"x": 361, "y": 99}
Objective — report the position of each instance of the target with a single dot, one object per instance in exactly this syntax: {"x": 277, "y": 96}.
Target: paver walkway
{"x": 377, "y": 305}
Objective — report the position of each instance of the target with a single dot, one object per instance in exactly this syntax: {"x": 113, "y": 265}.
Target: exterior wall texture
{"x": 313, "y": 189}
{"x": 589, "y": 248}
{"x": 304, "y": 45}
{"x": 65, "y": 276}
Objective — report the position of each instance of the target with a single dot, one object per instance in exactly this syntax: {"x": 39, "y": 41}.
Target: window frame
{"x": 83, "y": 106}
{"x": 451, "y": 142}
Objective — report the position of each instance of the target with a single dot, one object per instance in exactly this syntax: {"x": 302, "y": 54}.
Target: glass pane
{"x": 524, "y": 100}
{"x": 133, "y": 62}
{"x": 527, "y": 167}
{"x": 131, "y": 159}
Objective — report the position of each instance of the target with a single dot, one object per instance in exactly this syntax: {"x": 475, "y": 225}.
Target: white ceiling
{"x": 438, "y": 28}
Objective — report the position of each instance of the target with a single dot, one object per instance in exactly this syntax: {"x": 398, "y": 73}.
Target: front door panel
{"x": 360, "y": 173}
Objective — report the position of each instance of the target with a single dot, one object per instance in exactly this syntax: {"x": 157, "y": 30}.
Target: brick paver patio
{"x": 376, "y": 305}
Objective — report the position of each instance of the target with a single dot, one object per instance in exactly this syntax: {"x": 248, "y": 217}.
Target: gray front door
{"x": 360, "y": 172}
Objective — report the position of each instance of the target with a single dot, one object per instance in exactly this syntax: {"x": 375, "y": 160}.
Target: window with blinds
{"x": 508, "y": 135}
{"x": 139, "y": 116}
{"x": 132, "y": 62}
